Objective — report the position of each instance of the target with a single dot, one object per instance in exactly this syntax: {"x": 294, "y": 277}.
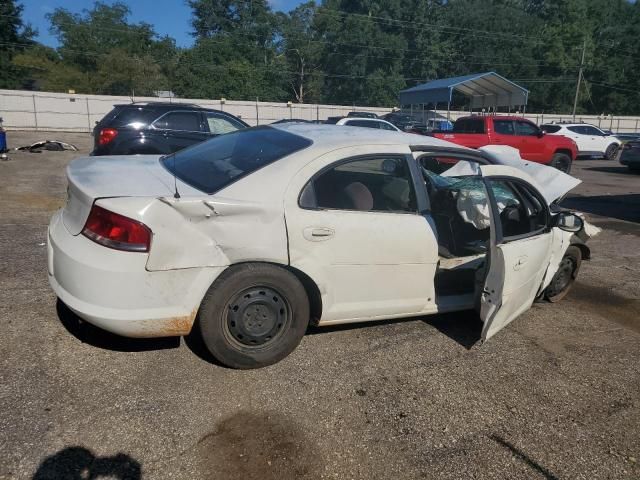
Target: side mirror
{"x": 541, "y": 133}
{"x": 569, "y": 222}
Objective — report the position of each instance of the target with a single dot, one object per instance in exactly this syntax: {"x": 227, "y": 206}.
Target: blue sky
{"x": 170, "y": 17}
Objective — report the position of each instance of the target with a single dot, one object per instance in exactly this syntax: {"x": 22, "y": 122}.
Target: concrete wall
{"x": 25, "y": 110}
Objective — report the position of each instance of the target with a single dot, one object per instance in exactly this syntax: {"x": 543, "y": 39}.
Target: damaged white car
{"x": 259, "y": 232}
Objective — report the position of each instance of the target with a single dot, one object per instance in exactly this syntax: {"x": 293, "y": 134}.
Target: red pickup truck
{"x": 517, "y": 132}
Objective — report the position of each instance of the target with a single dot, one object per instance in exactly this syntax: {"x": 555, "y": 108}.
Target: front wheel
{"x": 253, "y": 315}
{"x": 565, "y": 276}
{"x": 562, "y": 162}
{"x": 611, "y": 151}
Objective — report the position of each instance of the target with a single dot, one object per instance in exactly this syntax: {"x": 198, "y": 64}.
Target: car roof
{"x": 169, "y": 106}
{"x": 495, "y": 117}
{"x": 331, "y": 137}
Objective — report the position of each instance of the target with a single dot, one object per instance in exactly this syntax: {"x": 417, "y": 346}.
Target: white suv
{"x": 591, "y": 140}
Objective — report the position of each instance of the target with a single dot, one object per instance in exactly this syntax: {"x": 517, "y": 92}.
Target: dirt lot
{"x": 554, "y": 395}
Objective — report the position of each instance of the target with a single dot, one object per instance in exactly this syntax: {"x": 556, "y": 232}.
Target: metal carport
{"x": 485, "y": 90}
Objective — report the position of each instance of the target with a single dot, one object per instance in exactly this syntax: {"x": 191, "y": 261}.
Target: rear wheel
{"x": 562, "y": 162}
{"x": 611, "y": 151}
{"x": 565, "y": 276}
{"x": 253, "y": 315}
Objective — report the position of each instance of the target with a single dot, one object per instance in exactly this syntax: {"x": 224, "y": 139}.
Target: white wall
{"x": 25, "y": 110}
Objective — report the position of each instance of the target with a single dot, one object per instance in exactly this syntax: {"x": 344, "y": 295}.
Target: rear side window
{"x": 469, "y": 125}
{"x": 124, "y": 116}
{"x": 579, "y": 130}
{"x": 184, "y": 121}
{"x": 212, "y": 165}
{"x": 373, "y": 184}
{"x": 220, "y": 124}
{"x": 503, "y": 127}
{"x": 550, "y": 128}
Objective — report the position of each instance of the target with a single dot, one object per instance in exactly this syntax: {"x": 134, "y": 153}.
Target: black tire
{"x": 253, "y": 315}
{"x": 610, "y": 152}
{"x": 634, "y": 169}
{"x": 562, "y": 162}
{"x": 565, "y": 276}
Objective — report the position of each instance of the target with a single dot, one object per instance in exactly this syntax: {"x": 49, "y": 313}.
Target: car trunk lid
{"x": 90, "y": 178}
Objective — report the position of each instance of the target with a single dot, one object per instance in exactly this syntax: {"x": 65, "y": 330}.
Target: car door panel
{"x": 517, "y": 266}
{"x": 367, "y": 264}
{"x": 531, "y": 145}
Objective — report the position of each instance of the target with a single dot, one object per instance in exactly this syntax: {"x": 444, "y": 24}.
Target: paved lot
{"x": 556, "y": 395}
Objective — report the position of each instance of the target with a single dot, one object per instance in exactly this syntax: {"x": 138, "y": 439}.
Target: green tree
{"x": 118, "y": 57}
{"x": 15, "y": 36}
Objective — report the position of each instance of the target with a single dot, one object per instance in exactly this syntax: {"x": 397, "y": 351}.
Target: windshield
{"x": 212, "y": 165}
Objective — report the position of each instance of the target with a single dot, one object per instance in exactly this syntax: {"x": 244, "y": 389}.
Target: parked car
{"x": 159, "y": 128}
{"x": 630, "y": 155}
{"x": 367, "y": 123}
{"x": 403, "y": 121}
{"x": 591, "y": 141}
{"x": 262, "y": 231}
{"x": 362, "y": 114}
{"x": 517, "y": 132}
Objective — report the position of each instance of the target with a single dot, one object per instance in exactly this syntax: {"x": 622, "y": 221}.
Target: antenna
{"x": 175, "y": 179}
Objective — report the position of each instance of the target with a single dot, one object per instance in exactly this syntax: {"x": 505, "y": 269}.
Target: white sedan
{"x": 255, "y": 234}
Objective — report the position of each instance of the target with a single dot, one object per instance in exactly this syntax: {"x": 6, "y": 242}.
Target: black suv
{"x": 159, "y": 128}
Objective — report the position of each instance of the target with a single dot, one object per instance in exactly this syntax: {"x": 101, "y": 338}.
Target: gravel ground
{"x": 556, "y": 395}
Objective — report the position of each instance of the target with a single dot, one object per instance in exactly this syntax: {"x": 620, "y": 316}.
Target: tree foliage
{"x": 341, "y": 51}
{"x": 14, "y": 37}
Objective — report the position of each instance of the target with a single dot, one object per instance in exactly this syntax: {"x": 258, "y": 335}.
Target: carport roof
{"x": 484, "y": 89}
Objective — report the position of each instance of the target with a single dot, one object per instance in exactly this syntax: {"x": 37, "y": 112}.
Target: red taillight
{"x": 107, "y": 135}
{"x": 116, "y": 231}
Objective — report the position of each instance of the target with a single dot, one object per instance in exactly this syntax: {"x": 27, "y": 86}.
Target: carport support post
{"x": 35, "y": 111}
{"x": 448, "y": 111}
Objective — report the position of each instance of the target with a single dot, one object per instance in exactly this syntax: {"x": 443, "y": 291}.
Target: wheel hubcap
{"x": 257, "y": 316}
{"x": 563, "y": 276}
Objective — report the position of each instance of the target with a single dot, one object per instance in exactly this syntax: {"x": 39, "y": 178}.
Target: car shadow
{"x": 623, "y": 207}
{"x": 195, "y": 343}
{"x": 75, "y": 463}
{"x": 96, "y": 337}
{"x": 463, "y": 327}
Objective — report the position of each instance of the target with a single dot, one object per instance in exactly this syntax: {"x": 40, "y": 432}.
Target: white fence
{"x": 25, "y": 110}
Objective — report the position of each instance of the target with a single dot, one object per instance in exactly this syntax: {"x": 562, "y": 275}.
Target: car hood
{"x": 553, "y": 183}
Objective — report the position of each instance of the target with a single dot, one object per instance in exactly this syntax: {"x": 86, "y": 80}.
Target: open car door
{"x": 521, "y": 246}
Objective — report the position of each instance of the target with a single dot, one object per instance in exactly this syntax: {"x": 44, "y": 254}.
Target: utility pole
{"x": 575, "y": 101}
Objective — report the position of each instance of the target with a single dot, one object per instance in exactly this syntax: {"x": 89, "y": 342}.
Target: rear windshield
{"x": 212, "y": 165}
{"x": 123, "y": 116}
{"x": 550, "y": 128}
{"x": 469, "y": 125}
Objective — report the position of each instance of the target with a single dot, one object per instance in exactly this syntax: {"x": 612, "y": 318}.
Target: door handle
{"x": 520, "y": 262}
{"x": 317, "y": 234}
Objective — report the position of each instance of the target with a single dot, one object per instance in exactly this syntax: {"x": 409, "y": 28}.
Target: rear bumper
{"x": 113, "y": 290}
